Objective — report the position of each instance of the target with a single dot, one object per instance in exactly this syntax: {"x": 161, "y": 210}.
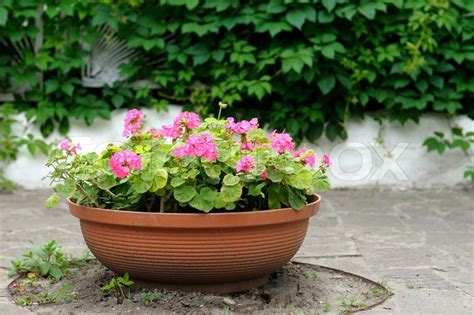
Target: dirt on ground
{"x": 295, "y": 289}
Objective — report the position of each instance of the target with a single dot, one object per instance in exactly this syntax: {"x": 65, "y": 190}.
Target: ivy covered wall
{"x": 306, "y": 66}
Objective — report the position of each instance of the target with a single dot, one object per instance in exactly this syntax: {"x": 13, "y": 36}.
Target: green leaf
{"x": 213, "y": 171}
{"x": 368, "y": 9}
{"x": 334, "y": 130}
{"x": 329, "y": 4}
{"x": 325, "y": 17}
{"x": 296, "y": 199}
{"x": 231, "y": 193}
{"x": 190, "y": 4}
{"x": 313, "y": 133}
{"x": 52, "y": 201}
{"x": 51, "y": 86}
{"x": 3, "y": 16}
{"x": 327, "y": 83}
{"x": 433, "y": 144}
{"x": 184, "y": 193}
{"x": 44, "y": 268}
{"x": 276, "y": 6}
{"x": 106, "y": 181}
{"x": 328, "y": 52}
{"x": 301, "y": 180}
{"x": 31, "y": 148}
{"x": 205, "y": 200}
{"x": 67, "y": 88}
{"x": 256, "y": 189}
{"x": 56, "y": 273}
{"x": 274, "y": 175}
{"x": 117, "y": 100}
{"x": 159, "y": 180}
{"x": 231, "y": 180}
{"x": 274, "y": 198}
{"x": 141, "y": 186}
{"x": 321, "y": 183}
{"x": 297, "y": 17}
{"x": 66, "y": 189}
{"x": 177, "y": 181}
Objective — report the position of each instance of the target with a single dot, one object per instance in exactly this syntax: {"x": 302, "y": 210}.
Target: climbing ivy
{"x": 306, "y": 66}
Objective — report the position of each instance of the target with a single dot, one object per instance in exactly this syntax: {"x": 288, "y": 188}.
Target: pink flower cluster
{"x": 242, "y": 127}
{"x": 326, "y": 160}
{"x": 201, "y": 145}
{"x": 247, "y": 146}
{"x": 123, "y": 162}
{"x": 281, "y": 142}
{"x": 309, "y": 160}
{"x": 245, "y": 164}
{"x": 65, "y": 146}
{"x": 133, "y": 122}
{"x": 187, "y": 120}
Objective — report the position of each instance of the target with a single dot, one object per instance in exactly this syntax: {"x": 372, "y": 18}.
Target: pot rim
{"x": 194, "y": 220}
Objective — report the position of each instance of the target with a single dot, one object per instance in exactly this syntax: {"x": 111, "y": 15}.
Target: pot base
{"x": 226, "y": 287}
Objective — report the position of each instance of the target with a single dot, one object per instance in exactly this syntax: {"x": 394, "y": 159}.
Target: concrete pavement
{"x": 419, "y": 242}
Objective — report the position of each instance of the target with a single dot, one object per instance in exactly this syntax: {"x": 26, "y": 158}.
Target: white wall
{"x": 357, "y": 161}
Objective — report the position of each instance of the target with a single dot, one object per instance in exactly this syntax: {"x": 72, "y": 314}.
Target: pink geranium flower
{"x": 247, "y": 146}
{"x": 154, "y": 133}
{"x": 184, "y": 120}
{"x": 309, "y": 160}
{"x": 245, "y": 164}
{"x": 326, "y": 160}
{"x": 123, "y": 162}
{"x": 201, "y": 145}
{"x": 281, "y": 142}
{"x": 76, "y": 147}
{"x": 243, "y": 127}
{"x": 264, "y": 175}
{"x": 171, "y": 131}
{"x": 188, "y": 119}
{"x": 64, "y": 145}
{"x": 133, "y": 122}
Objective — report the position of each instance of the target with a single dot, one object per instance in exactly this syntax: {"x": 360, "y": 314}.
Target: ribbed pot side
{"x": 221, "y": 252}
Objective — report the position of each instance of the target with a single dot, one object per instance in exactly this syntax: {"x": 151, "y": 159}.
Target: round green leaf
{"x": 231, "y": 180}
{"x": 231, "y": 193}
{"x": 184, "y": 193}
{"x": 205, "y": 200}
{"x": 296, "y": 199}
{"x": 52, "y": 201}
{"x": 159, "y": 180}
{"x": 301, "y": 180}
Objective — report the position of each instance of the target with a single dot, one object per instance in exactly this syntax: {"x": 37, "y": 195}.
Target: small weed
{"x": 384, "y": 283}
{"x": 84, "y": 260}
{"x": 226, "y": 310}
{"x": 117, "y": 284}
{"x": 350, "y": 303}
{"x": 411, "y": 285}
{"x": 149, "y": 297}
{"x": 378, "y": 292}
{"x": 47, "y": 261}
{"x": 326, "y": 307}
{"x": 64, "y": 294}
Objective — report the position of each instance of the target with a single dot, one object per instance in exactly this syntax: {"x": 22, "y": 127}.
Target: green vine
{"x": 302, "y": 66}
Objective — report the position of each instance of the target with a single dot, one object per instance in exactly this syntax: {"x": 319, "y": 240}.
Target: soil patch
{"x": 295, "y": 289}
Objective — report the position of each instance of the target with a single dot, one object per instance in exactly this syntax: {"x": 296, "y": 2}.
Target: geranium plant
{"x": 189, "y": 166}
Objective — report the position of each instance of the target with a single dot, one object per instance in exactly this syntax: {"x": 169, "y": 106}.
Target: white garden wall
{"x": 357, "y": 162}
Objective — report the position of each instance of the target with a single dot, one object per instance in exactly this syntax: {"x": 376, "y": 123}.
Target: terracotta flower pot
{"x": 220, "y": 252}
